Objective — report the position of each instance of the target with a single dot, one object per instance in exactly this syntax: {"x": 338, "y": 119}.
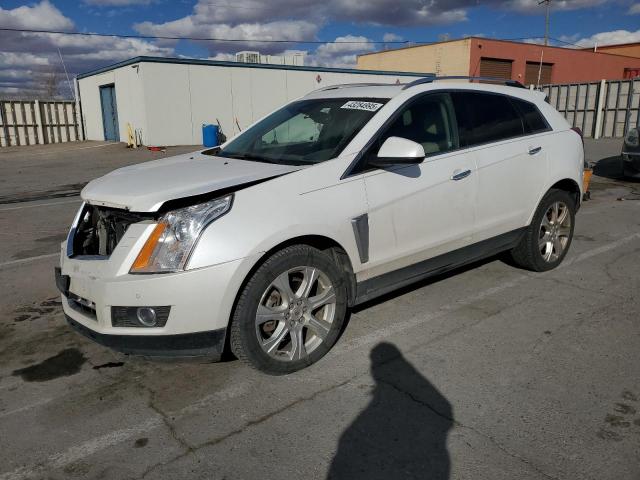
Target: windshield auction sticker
{"x": 358, "y": 105}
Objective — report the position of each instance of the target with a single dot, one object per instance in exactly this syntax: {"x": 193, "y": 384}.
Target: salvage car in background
{"x": 631, "y": 153}
{"x": 342, "y": 196}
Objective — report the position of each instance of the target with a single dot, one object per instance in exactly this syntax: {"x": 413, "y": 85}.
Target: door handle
{"x": 534, "y": 150}
{"x": 458, "y": 175}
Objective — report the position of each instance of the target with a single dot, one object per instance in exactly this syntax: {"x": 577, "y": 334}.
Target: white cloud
{"x": 391, "y": 37}
{"x": 27, "y": 58}
{"x": 293, "y": 30}
{"x": 634, "y": 9}
{"x": 339, "y": 55}
{"x": 40, "y": 16}
{"x": 605, "y": 38}
{"x": 225, "y": 57}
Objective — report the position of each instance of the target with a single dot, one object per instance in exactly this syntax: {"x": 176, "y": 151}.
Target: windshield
{"x": 304, "y": 132}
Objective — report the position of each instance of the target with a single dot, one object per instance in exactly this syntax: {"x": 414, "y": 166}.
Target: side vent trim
{"x": 361, "y": 232}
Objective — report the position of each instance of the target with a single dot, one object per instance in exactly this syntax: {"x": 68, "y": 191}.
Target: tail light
{"x": 579, "y": 132}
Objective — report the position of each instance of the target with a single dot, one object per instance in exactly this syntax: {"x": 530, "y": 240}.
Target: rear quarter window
{"x": 533, "y": 120}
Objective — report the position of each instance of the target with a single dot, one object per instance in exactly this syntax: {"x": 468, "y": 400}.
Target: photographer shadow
{"x": 402, "y": 433}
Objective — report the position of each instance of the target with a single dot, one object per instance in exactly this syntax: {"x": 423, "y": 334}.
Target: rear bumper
{"x": 631, "y": 164}
{"x": 209, "y": 344}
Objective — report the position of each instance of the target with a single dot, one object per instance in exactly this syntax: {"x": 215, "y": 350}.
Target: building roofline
{"x": 613, "y": 45}
{"x": 485, "y": 39}
{"x": 220, "y": 63}
{"x": 417, "y": 46}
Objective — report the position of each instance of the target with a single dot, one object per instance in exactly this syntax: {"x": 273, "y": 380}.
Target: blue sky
{"x": 25, "y": 57}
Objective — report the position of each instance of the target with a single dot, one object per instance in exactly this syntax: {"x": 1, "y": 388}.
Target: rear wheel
{"x": 291, "y": 311}
{"x": 548, "y": 238}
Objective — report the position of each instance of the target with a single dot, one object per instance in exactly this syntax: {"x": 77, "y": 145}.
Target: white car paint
{"x": 146, "y": 186}
{"x": 415, "y": 212}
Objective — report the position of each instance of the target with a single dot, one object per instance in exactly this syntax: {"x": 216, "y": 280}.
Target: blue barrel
{"x": 210, "y": 135}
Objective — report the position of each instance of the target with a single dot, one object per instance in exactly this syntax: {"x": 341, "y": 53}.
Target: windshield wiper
{"x": 244, "y": 156}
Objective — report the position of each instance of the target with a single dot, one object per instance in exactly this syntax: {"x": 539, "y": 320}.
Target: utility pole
{"x": 546, "y": 22}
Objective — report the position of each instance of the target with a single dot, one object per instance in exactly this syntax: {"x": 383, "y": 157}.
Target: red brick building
{"x": 528, "y": 63}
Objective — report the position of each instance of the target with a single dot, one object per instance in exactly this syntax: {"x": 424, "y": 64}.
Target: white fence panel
{"x": 33, "y": 122}
{"x": 600, "y": 109}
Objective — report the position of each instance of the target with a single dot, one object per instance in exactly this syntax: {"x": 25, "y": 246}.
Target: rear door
{"x": 511, "y": 159}
{"x": 420, "y": 211}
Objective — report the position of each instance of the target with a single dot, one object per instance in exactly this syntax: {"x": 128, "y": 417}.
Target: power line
{"x": 249, "y": 40}
{"x": 203, "y": 39}
{"x": 238, "y": 7}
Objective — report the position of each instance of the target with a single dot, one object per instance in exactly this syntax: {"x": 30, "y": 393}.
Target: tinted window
{"x": 429, "y": 121}
{"x": 486, "y": 118}
{"x": 534, "y": 122}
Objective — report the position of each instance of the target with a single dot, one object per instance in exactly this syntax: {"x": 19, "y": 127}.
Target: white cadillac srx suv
{"x": 260, "y": 246}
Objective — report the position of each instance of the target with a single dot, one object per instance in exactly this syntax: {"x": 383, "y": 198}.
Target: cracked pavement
{"x": 487, "y": 373}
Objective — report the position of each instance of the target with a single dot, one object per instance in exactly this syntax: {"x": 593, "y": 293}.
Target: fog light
{"x": 147, "y": 316}
{"x": 141, "y": 317}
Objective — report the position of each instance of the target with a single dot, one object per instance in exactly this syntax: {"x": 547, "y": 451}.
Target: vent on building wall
{"x": 248, "y": 57}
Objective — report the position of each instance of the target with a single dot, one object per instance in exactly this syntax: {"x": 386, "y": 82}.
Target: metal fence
{"x": 601, "y": 109}
{"x": 33, "y": 122}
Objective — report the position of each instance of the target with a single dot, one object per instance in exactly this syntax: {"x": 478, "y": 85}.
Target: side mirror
{"x": 398, "y": 151}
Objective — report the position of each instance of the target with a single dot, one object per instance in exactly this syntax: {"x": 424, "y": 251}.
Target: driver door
{"x": 418, "y": 212}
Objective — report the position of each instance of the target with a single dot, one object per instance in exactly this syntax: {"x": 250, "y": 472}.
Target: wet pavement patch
{"x": 67, "y": 362}
{"x": 108, "y": 365}
{"x": 37, "y": 310}
{"x": 141, "y": 442}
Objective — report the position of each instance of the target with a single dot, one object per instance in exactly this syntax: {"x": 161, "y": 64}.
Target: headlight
{"x": 632, "y": 138}
{"x": 168, "y": 247}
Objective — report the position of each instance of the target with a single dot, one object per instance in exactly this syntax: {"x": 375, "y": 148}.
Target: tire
{"x": 547, "y": 240}
{"x": 280, "y": 330}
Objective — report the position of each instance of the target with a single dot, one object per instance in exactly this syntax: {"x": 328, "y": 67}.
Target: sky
{"x": 29, "y": 60}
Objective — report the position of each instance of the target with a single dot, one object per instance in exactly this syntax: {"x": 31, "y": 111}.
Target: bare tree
{"x": 50, "y": 83}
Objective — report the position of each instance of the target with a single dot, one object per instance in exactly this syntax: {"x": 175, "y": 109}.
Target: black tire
{"x": 244, "y": 340}
{"x": 527, "y": 253}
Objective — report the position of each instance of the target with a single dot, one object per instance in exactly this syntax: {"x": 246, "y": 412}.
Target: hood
{"x": 146, "y": 186}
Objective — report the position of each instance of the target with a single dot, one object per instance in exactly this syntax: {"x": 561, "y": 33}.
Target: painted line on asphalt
{"x": 22, "y": 261}
{"x": 25, "y": 408}
{"x": 383, "y": 333}
{"x": 83, "y": 450}
{"x": 45, "y": 204}
{"x": 52, "y": 152}
{"x": 115, "y": 437}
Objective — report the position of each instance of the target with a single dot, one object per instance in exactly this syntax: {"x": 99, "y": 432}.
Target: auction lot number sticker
{"x": 359, "y": 105}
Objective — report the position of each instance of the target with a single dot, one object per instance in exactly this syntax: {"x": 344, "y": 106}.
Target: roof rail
{"x": 347, "y": 85}
{"x": 507, "y": 82}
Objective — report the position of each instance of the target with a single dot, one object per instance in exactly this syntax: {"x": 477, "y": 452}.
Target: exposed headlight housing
{"x": 632, "y": 138}
{"x": 170, "y": 244}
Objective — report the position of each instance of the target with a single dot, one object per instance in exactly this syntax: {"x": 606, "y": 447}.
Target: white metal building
{"x": 167, "y": 100}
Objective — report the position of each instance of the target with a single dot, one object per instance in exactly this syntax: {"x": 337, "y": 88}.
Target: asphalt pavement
{"x": 486, "y": 373}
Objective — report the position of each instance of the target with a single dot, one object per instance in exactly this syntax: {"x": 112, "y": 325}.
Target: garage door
{"x": 531, "y": 73}
{"x": 493, "y": 67}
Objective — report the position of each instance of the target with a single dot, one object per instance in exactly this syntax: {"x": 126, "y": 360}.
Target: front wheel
{"x": 548, "y": 238}
{"x": 290, "y": 312}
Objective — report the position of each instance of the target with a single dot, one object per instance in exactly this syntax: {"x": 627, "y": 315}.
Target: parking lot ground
{"x": 486, "y": 373}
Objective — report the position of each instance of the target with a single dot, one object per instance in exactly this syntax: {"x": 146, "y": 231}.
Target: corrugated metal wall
{"x": 601, "y": 109}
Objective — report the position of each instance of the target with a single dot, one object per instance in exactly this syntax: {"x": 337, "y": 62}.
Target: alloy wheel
{"x": 555, "y": 232}
{"x": 295, "y": 313}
